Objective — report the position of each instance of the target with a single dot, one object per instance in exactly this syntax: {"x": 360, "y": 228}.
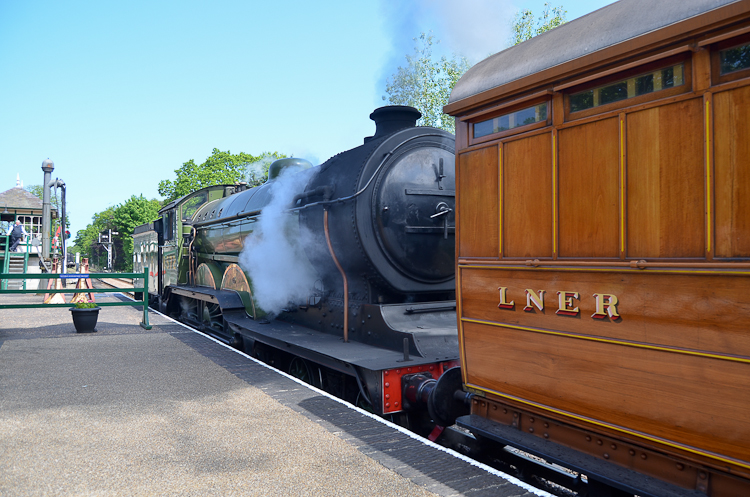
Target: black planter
{"x": 85, "y": 319}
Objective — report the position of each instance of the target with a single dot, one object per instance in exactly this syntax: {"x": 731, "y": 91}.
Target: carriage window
{"x": 523, "y": 117}
{"x": 661, "y": 79}
{"x": 734, "y": 59}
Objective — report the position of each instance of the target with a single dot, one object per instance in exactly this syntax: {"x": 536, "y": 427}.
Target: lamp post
{"x": 47, "y": 166}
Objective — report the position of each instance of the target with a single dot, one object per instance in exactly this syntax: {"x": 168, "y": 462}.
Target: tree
{"x": 524, "y": 27}
{"x": 122, "y": 218}
{"x": 426, "y": 83}
{"x": 55, "y": 200}
{"x": 87, "y": 239}
{"x": 133, "y": 212}
{"x": 220, "y": 168}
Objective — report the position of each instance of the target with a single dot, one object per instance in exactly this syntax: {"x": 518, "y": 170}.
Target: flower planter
{"x": 85, "y": 319}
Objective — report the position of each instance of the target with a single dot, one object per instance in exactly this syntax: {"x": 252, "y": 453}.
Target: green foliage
{"x": 426, "y": 83}
{"x": 35, "y": 190}
{"x": 218, "y": 169}
{"x": 134, "y": 212}
{"x": 55, "y": 200}
{"x": 87, "y": 239}
{"x": 122, "y": 218}
{"x": 85, "y": 305}
{"x": 525, "y": 27}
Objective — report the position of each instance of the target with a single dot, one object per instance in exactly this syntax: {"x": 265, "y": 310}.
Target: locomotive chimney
{"x": 393, "y": 118}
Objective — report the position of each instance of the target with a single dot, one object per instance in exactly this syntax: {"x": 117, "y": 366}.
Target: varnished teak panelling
{"x": 478, "y": 203}
{"x": 655, "y": 354}
{"x": 665, "y": 185}
{"x": 636, "y": 390}
{"x": 589, "y": 172}
{"x": 527, "y": 197}
{"x": 657, "y": 308}
{"x": 732, "y": 172}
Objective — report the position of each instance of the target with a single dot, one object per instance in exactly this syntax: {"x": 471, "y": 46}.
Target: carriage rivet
{"x": 588, "y": 438}
{"x": 546, "y": 425}
{"x": 606, "y": 456}
{"x": 531, "y": 419}
{"x": 505, "y": 411}
{"x": 531, "y": 430}
{"x": 599, "y": 442}
{"x": 680, "y": 466}
{"x": 614, "y": 446}
{"x": 702, "y": 475}
{"x": 644, "y": 456}
{"x": 631, "y": 452}
{"x": 546, "y": 435}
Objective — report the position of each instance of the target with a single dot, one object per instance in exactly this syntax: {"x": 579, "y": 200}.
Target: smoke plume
{"x": 255, "y": 171}
{"x": 273, "y": 254}
{"x": 473, "y": 28}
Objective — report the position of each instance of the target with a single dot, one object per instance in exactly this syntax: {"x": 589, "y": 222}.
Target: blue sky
{"x": 120, "y": 94}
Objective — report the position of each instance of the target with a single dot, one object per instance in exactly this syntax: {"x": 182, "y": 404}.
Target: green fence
{"x": 75, "y": 276}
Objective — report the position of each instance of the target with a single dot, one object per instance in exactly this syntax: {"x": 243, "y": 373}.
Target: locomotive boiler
{"x": 373, "y": 225}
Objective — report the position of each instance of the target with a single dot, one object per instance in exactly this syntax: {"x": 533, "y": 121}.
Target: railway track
{"x": 124, "y": 283}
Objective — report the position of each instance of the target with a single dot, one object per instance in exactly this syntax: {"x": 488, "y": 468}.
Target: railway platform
{"x": 169, "y": 411}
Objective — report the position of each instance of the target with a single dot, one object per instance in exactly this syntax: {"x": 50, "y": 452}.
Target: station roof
{"x": 19, "y": 201}
{"x": 593, "y": 33}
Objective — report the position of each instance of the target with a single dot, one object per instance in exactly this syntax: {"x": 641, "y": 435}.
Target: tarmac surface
{"x": 169, "y": 411}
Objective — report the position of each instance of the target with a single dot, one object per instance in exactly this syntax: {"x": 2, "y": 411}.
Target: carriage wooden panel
{"x": 626, "y": 389}
{"x": 589, "y": 190}
{"x": 732, "y": 171}
{"x": 666, "y": 204}
{"x": 478, "y": 203}
{"x": 527, "y": 197}
{"x": 705, "y": 311}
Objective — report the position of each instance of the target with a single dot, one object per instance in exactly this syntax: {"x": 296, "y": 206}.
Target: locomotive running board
{"x": 227, "y": 300}
{"x": 594, "y": 468}
{"x": 323, "y": 348}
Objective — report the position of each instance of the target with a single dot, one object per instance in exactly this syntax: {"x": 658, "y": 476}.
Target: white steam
{"x": 255, "y": 171}
{"x": 473, "y": 28}
{"x": 274, "y": 253}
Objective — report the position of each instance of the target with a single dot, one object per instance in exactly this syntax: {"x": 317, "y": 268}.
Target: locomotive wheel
{"x": 211, "y": 317}
{"x": 300, "y": 369}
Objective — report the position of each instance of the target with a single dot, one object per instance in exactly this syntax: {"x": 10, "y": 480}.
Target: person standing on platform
{"x": 16, "y": 235}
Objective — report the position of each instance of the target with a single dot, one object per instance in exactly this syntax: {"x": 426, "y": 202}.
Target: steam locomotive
{"x": 340, "y": 274}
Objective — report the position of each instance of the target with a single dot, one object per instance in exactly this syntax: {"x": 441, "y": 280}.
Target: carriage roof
{"x": 624, "y": 26}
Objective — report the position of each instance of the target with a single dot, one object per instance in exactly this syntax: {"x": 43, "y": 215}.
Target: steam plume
{"x": 274, "y": 255}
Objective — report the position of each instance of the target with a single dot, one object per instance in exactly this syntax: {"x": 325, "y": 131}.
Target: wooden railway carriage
{"x": 603, "y": 242}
